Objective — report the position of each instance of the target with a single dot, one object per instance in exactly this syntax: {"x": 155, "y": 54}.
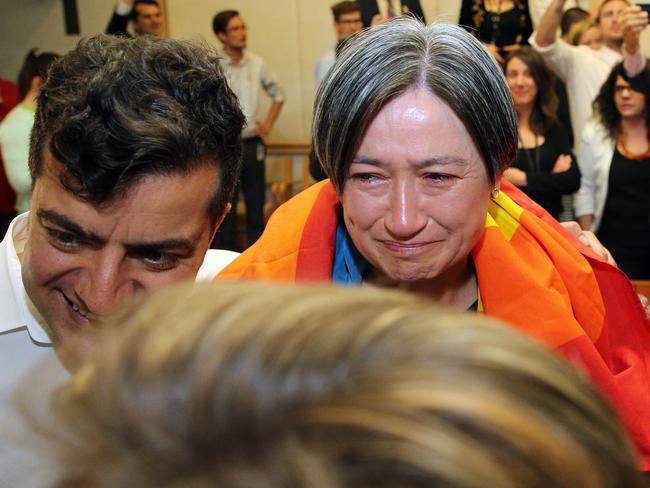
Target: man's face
{"x": 609, "y": 20}
{"x": 235, "y": 35}
{"x": 348, "y": 24}
{"x": 80, "y": 261}
{"x": 148, "y": 20}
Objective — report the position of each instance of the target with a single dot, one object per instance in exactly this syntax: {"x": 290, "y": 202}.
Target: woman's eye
{"x": 365, "y": 177}
{"x": 439, "y": 177}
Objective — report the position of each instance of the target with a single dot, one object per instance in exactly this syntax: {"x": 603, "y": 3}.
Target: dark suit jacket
{"x": 118, "y": 24}
{"x": 369, "y": 9}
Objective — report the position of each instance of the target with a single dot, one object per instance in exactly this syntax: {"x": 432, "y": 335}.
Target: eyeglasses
{"x": 621, "y": 88}
{"x": 349, "y": 22}
{"x": 238, "y": 28}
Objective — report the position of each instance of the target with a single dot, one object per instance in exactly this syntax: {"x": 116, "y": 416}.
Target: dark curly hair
{"x": 605, "y": 107}
{"x": 115, "y": 110}
{"x": 544, "y": 115}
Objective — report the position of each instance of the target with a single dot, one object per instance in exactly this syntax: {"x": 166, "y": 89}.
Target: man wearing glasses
{"x": 247, "y": 73}
{"x": 347, "y": 21}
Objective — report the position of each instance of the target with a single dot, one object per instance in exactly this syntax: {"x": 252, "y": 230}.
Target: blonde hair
{"x": 578, "y": 29}
{"x": 257, "y": 385}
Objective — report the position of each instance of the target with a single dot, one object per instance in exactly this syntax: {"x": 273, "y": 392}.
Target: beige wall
{"x": 39, "y": 23}
{"x": 290, "y": 34}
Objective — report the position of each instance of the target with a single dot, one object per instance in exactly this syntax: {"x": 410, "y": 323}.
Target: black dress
{"x": 512, "y": 26}
{"x": 545, "y": 187}
{"x": 625, "y": 226}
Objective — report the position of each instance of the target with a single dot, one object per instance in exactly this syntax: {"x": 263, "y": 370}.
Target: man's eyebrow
{"x": 179, "y": 244}
{"x": 55, "y": 218}
{"x": 433, "y": 161}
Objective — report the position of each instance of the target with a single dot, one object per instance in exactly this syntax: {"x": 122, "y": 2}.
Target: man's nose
{"x": 105, "y": 285}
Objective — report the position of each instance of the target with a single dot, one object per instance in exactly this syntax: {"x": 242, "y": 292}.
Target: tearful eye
{"x": 439, "y": 177}
{"x": 365, "y": 177}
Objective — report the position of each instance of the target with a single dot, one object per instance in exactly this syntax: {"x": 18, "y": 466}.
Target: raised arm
{"x": 548, "y": 26}
{"x": 634, "y": 21}
{"x": 120, "y": 19}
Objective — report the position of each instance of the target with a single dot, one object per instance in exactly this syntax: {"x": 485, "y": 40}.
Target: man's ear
{"x": 217, "y": 223}
{"x": 221, "y": 36}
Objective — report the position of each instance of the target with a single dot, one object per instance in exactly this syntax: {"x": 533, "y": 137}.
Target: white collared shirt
{"x": 245, "y": 79}
{"x": 28, "y": 359}
{"x": 584, "y": 70}
{"x": 24, "y": 341}
{"x": 323, "y": 66}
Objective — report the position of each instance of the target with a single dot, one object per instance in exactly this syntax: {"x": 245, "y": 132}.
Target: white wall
{"x": 290, "y": 34}
{"x": 25, "y": 24}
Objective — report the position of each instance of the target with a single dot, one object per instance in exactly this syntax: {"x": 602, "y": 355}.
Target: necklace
{"x": 496, "y": 21}
{"x": 533, "y": 165}
{"x": 629, "y": 154}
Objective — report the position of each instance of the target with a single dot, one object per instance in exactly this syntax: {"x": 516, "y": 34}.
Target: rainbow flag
{"x": 531, "y": 274}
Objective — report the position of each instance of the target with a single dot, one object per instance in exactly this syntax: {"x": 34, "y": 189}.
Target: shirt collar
{"x": 230, "y": 62}
{"x": 17, "y": 309}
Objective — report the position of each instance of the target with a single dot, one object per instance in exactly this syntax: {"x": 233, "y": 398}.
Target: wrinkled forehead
{"x": 612, "y": 6}
{"x": 203, "y": 179}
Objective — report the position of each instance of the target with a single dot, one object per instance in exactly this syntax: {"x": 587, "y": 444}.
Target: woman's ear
{"x": 36, "y": 83}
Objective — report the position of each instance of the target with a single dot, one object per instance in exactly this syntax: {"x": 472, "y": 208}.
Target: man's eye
{"x": 160, "y": 261}
{"x": 62, "y": 238}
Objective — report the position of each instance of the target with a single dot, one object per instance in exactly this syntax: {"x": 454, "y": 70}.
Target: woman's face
{"x": 416, "y": 197}
{"x": 521, "y": 82}
{"x": 629, "y": 103}
{"x": 592, "y": 37}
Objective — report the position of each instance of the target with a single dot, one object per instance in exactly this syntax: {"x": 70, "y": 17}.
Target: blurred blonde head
{"x": 255, "y": 385}
{"x": 587, "y": 33}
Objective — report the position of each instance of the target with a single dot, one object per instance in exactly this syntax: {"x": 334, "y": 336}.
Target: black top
{"x": 369, "y": 9}
{"x": 545, "y": 187}
{"x": 625, "y": 227}
{"x": 118, "y": 25}
{"x": 511, "y": 26}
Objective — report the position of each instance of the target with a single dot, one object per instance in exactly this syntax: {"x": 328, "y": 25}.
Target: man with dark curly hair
{"x": 134, "y": 156}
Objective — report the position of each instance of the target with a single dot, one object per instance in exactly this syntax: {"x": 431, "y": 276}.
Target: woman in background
{"x": 502, "y": 26}
{"x": 16, "y": 127}
{"x": 544, "y": 168}
{"x": 243, "y": 385}
{"x": 586, "y": 33}
{"x": 614, "y": 197}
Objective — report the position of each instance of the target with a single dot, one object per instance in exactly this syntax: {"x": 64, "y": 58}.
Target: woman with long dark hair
{"x": 544, "y": 168}
{"x": 614, "y": 198}
{"x": 16, "y": 128}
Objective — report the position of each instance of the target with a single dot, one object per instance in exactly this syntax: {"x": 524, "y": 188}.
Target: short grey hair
{"x": 383, "y": 62}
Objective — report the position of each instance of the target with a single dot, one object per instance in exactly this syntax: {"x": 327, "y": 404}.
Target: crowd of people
{"x": 444, "y": 178}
